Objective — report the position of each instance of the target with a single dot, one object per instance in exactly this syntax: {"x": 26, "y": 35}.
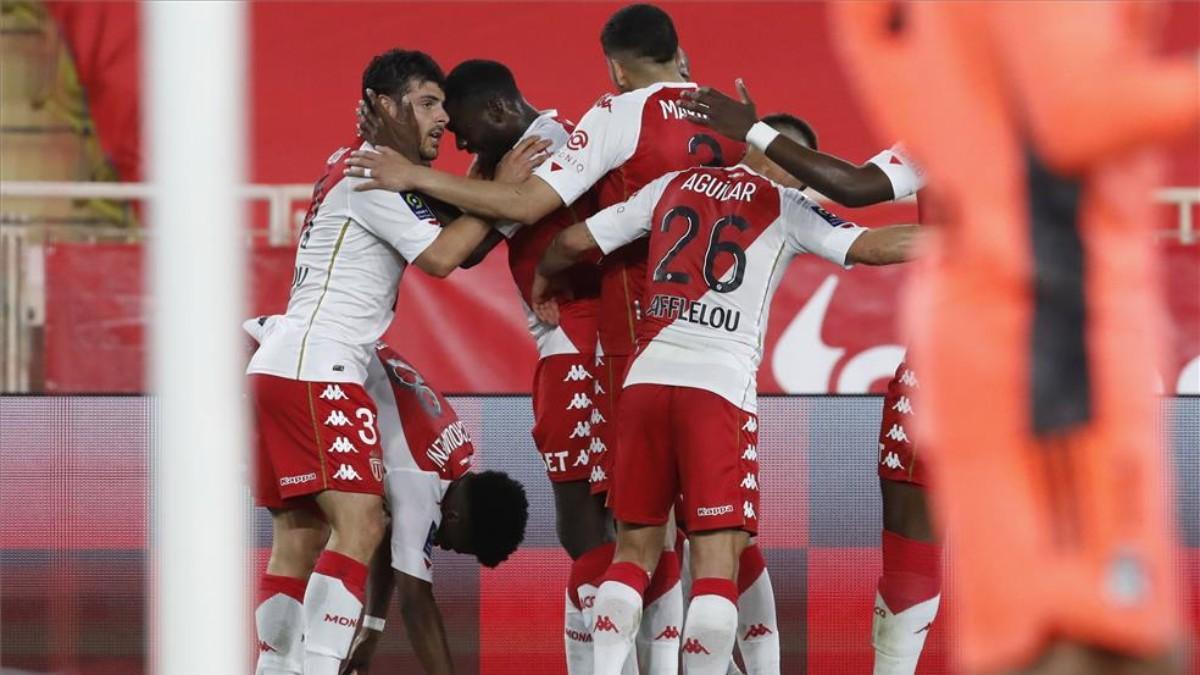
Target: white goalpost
{"x": 194, "y": 72}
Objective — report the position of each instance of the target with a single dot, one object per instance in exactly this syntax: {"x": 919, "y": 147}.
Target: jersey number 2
{"x": 716, "y": 247}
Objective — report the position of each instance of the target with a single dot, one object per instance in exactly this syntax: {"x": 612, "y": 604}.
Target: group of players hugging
{"x": 646, "y": 243}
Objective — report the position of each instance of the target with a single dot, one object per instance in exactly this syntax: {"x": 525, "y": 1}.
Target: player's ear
{"x": 497, "y": 110}
{"x": 617, "y": 73}
{"x": 388, "y": 104}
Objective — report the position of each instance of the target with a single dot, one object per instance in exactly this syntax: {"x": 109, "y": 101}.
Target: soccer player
{"x": 909, "y": 591}
{"x": 719, "y": 241}
{"x": 1036, "y": 329}
{"x": 307, "y": 377}
{"x": 622, "y": 143}
{"x": 488, "y": 116}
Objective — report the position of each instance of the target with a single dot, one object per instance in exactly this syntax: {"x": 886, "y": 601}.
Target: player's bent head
{"x": 794, "y": 128}
{"x": 485, "y": 107}
{"x": 497, "y": 514}
{"x": 639, "y": 35}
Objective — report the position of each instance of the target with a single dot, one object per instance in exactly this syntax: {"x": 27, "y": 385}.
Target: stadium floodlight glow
{"x": 194, "y": 102}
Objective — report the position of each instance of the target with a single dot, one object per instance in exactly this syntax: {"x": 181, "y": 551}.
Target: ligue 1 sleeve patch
{"x": 419, "y": 208}
{"x": 828, "y": 217}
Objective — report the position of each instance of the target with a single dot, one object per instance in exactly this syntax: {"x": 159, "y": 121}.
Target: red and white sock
{"x": 577, "y": 638}
{"x": 711, "y": 627}
{"x": 333, "y": 604}
{"x": 758, "y": 628}
{"x": 905, "y": 603}
{"x": 586, "y": 571}
{"x": 618, "y": 612}
{"x": 662, "y": 620}
{"x": 279, "y": 621}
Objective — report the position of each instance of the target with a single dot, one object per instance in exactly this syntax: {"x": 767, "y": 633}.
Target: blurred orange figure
{"x": 1035, "y": 314}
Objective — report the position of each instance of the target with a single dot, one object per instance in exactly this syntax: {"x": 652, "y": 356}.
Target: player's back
{"x": 719, "y": 243}
{"x": 349, "y": 260}
{"x": 621, "y": 144}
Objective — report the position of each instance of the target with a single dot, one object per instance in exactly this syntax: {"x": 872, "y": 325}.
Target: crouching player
{"x": 434, "y": 499}
{"x": 719, "y": 240}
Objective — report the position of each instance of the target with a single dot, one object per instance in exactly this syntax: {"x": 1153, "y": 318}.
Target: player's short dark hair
{"x": 641, "y": 30}
{"x": 392, "y": 72}
{"x": 499, "y": 511}
{"x": 481, "y": 79}
{"x": 786, "y": 122}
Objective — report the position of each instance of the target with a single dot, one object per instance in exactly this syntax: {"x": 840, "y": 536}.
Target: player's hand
{"x": 721, "y": 113}
{"x": 362, "y": 650}
{"x": 544, "y": 297}
{"x": 379, "y": 128}
{"x": 383, "y": 167}
{"x": 519, "y": 163}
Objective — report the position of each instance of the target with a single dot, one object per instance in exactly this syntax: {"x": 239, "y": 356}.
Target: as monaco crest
{"x": 377, "y": 468}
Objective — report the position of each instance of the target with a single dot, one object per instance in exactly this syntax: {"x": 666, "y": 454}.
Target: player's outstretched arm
{"x": 423, "y": 622}
{"x": 567, "y": 248}
{"x": 845, "y": 183}
{"x": 884, "y": 245}
{"x": 526, "y": 202}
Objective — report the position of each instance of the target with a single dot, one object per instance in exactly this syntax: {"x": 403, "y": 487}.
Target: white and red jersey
{"x": 425, "y": 448}
{"x": 576, "y": 331}
{"x": 353, "y": 249}
{"x": 906, "y": 176}
{"x": 620, "y": 145}
{"x": 719, "y": 241}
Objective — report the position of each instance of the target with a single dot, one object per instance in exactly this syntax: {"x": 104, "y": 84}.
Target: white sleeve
{"x": 413, "y": 499}
{"x": 403, "y": 220}
{"x": 906, "y": 177}
{"x": 604, "y": 140}
{"x": 622, "y": 223}
{"x": 811, "y": 229}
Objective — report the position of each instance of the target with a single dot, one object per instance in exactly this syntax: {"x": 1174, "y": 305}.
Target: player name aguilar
{"x": 672, "y": 307}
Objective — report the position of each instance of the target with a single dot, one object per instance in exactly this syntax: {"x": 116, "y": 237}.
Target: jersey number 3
{"x": 723, "y": 283}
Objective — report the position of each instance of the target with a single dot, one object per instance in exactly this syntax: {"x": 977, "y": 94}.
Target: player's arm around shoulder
{"x": 423, "y": 622}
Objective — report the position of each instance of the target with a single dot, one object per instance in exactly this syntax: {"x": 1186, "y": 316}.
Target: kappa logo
{"x": 896, "y": 433}
{"x": 750, "y": 482}
{"x": 751, "y": 425}
{"x": 903, "y": 406}
{"x": 748, "y": 511}
{"x": 343, "y": 445}
{"x": 346, "y": 472}
{"x": 597, "y": 389}
{"x": 693, "y": 646}
{"x": 579, "y": 402}
{"x": 757, "y": 630}
{"x": 605, "y": 624}
{"x": 581, "y": 459}
{"x": 599, "y": 361}
{"x": 597, "y": 418}
{"x": 577, "y": 373}
{"x": 668, "y": 633}
{"x": 709, "y": 511}
{"x": 582, "y": 430}
{"x": 750, "y": 454}
{"x": 337, "y": 418}
{"x": 597, "y": 446}
{"x": 334, "y": 392}
{"x": 909, "y": 379}
{"x": 297, "y": 480}
{"x": 892, "y": 461}
{"x": 598, "y": 475}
